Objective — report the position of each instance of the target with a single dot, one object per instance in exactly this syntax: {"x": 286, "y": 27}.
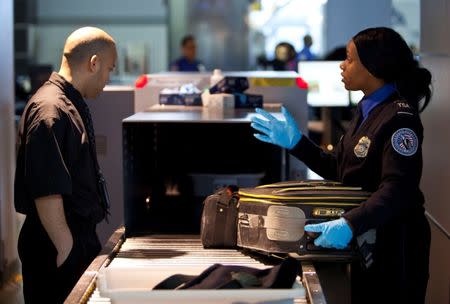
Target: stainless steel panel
{"x": 435, "y": 25}
{"x": 8, "y": 219}
{"x": 436, "y": 167}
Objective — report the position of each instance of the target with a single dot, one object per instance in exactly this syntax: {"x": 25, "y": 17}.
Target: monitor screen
{"x": 325, "y": 86}
{"x": 355, "y": 97}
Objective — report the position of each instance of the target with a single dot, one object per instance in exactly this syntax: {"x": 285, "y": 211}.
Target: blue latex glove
{"x": 335, "y": 234}
{"x": 281, "y": 133}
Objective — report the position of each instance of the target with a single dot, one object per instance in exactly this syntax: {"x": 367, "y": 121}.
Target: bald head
{"x": 86, "y": 42}
{"x": 89, "y": 57}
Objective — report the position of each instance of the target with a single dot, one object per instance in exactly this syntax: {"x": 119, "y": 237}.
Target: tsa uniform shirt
{"x": 382, "y": 154}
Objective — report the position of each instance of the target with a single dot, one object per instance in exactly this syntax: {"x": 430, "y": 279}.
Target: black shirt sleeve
{"x": 398, "y": 193}
{"x": 321, "y": 162}
{"x": 46, "y": 172}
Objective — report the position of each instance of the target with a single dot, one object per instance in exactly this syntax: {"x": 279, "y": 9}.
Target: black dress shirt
{"x": 54, "y": 155}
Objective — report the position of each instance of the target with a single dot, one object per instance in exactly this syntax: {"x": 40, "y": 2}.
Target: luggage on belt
{"x": 270, "y": 218}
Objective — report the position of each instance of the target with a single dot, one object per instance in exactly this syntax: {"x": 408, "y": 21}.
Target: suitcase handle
{"x": 312, "y": 235}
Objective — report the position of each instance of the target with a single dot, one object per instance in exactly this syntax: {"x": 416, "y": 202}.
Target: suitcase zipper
{"x": 263, "y": 201}
{"x": 317, "y": 188}
{"x": 299, "y": 184}
{"x": 291, "y": 198}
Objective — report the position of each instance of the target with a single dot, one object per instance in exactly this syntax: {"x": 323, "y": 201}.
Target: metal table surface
{"x": 175, "y": 114}
{"x": 181, "y": 250}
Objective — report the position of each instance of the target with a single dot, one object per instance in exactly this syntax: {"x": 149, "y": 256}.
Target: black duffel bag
{"x": 219, "y": 219}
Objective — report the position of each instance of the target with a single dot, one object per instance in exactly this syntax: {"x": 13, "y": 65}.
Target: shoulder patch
{"x": 402, "y": 108}
{"x": 405, "y": 142}
{"x": 403, "y": 105}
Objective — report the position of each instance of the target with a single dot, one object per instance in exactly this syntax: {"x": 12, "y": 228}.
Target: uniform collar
{"x": 368, "y": 103}
{"x": 69, "y": 90}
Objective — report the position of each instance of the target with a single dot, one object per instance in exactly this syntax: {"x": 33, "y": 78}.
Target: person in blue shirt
{"x": 188, "y": 61}
{"x": 306, "y": 54}
{"x": 382, "y": 153}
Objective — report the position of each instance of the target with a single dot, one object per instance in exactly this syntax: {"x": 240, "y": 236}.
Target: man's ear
{"x": 94, "y": 63}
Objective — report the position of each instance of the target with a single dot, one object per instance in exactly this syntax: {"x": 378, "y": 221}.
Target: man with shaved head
{"x": 58, "y": 183}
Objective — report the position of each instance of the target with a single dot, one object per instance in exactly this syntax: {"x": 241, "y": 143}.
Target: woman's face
{"x": 354, "y": 74}
{"x": 282, "y": 53}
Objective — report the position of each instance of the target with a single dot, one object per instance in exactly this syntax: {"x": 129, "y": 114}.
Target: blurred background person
{"x": 285, "y": 58}
{"x": 188, "y": 61}
{"x": 305, "y": 53}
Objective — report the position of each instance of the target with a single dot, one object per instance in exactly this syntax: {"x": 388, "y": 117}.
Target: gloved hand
{"x": 281, "y": 133}
{"x": 335, "y": 234}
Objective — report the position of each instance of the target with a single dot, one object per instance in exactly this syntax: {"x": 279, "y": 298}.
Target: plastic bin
{"x": 134, "y": 286}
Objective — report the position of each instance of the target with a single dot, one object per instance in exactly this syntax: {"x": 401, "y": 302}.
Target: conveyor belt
{"x": 186, "y": 251}
{"x": 179, "y": 251}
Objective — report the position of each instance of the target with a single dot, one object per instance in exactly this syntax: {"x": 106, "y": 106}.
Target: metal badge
{"x": 362, "y": 147}
{"x": 405, "y": 142}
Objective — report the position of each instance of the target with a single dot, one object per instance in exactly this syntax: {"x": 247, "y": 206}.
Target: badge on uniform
{"x": 405, "y": 142}
{"x": 362, "y": 147}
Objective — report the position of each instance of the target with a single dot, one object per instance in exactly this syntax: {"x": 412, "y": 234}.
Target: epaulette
{"x": 402, "y": 107}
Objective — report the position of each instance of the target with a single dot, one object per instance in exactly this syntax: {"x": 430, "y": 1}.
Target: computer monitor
{"x": 355, "y": 97}
{"x": 325, "y": 87}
